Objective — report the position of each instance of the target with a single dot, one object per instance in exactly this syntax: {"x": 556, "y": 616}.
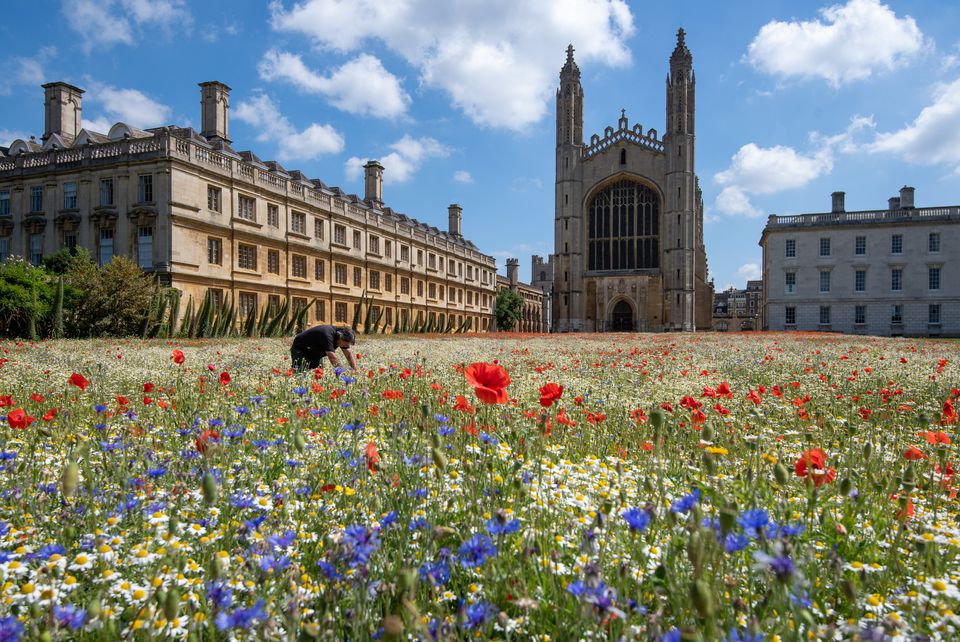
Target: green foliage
{"x": 56, "y": 324}
{"x": 509, "y": 309}
{"x": 25, "y": 294}
{"x": 116, "y": 297}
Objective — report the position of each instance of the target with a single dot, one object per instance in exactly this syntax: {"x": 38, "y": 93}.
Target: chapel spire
{"x": 570, "y": 103}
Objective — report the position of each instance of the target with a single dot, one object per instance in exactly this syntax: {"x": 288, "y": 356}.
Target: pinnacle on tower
{"x": 681, "y": 54}
{"x": 570, "y": 69}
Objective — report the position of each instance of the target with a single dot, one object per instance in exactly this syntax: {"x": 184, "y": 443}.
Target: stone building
{"x": 541, "y": 277}
{"x": 738, "y": 310}
{"x": 880, "y": 272}
{"x": 531, "y": 317}
{"x": 205, "y": 218}
{"x": 628, "y": 243}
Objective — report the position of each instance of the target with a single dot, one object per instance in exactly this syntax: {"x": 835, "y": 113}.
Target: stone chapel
{"x": 628, "y": 245}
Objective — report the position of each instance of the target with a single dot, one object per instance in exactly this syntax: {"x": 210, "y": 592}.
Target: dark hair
{"x": 347, "y": 335}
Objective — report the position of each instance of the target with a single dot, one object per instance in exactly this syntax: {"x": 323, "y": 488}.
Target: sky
{"x": 795, "y": 100}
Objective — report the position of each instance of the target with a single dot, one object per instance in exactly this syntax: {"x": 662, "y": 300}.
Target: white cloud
{"x": 261, "y": 113}
{"x": 130, "y": 106}
{"x": 934, "y": 135}
{"x": 20, "y": 70}
{"x": 104, "y": 23}
{"x": 361, "y": 86}
{"x": 7, "y": 136}
{"x": 480, "y": 52}
{"x": 402, "y": 163}
{"x": 849, "y": 42}
{"x": 756, "y": 170}
{"x": 100, "y": 125}
{"x": 462, "y": 176}
{"x": 749, "y": 271}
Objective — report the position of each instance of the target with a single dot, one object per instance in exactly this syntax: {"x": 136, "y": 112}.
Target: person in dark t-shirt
{"x": 312, "y": 345}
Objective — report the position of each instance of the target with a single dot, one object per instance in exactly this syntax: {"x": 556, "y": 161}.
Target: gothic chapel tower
{"x": 628, "y": 239}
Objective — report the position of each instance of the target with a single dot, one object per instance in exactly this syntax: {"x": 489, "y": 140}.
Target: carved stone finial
{"x": 623, "y": 113}
{"x": 680, "y": 34}
{"x": 570, "y": 53}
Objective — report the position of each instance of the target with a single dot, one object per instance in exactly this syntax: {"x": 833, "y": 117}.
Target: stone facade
{"x": 541, "y": 277}
{"x": 738, "y": 310}
{"x": 531, "y": 318}
{"x": 628, "y": 249}
{"x": 205, "y": 218}
{"x": 880, "y": 272}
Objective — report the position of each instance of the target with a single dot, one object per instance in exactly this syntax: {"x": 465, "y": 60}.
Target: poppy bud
{"x": 439, "y": 459}
{"x": 707, "y": 433}
{"x": 392, "y": 627}
{"x": 657, "y": 418}
{"x": 867, "y": 450}
{"x": 408, "y": 580}
{"x": 702, "y": 598}
{"x": 709, "y": 465}
{"x": 93, "y": 607}
{"x": 728, "y": 518}
{"x": 173, "y": 523}
{"x": 69, "y": 479}
{"x": 209, "y": 489}
{"x": 171, "y": 605}
{"x": 299, "y": 441}
{"x": 213, "y": 568}
{"x": 780, "y": 474}
{"x": 435, "y": 440}
{"x": 909, "y": 478}
{"x": 845, "y": 486}
{"x": 849, "y": 591}
{"x": 46, "y": 636}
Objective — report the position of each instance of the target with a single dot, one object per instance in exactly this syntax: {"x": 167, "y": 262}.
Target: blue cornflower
{"x": 256, "y": 400}
{"x": 419, "y": 493}
{"x": 70, "y": 616}
{"x": 735, "y": 542}
{"x": 235, "y": 432}
{"x": 389, "y": 519}
{"x": 329, "y": 570}
{"x": 781, "y": 564}
{"x": 293, "y": 463}
{"x": 476, "y": 550}
{"x": 353, "y": 427}
{"x": 50, "y": 488}
{"x": 441, "y": 418}
{"x": 598, "y": 594}
{"x": 215, "y": 423}
{"x": 438, "y": 573}
{"x": 685, "y": 503}
{"x": 488, "y": 439}
{"x": 219, "y": 594}
{"x": 319, "y": 412}
{"x": 189, "y": 454}
{"x": 673, "y": 635}
{"x": 44, "y": 552}
{"x": 270, "y": 563}
{"x": 300, "y": 390}
{"x": 792, "y": 530}
{"x": 752, "y": 521}
{"x": 157, "y": 472}
{"x": 277, "y": 542}
{"x": 445, "y": 430}
{"x": 418, "y": 524}
{"x": 242, "y": 410}
{"x": 7, "y": 455}
{"x": 253, "y": 524}
{"x": 637, "y": 519}
{"x": 361, "y": 542}
{"x": 240, "y": 618}
{"x": 477, "y": 614}
{"x": 99, "y": 408}
{"x": 497, "y": 526}
{"x": 100, "y": 426}
{"x": 736, "y": 636}
{"x": 4, "y": 528}
{"x": 10, "y": 629}
{"x": 262, "y": 444}
{"x": 347, "y": 380}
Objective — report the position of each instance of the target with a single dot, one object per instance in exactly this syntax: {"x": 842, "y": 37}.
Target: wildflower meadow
{"x": 571, "y": 487}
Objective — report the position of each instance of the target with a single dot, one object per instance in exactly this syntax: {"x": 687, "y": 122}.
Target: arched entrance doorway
{"x": 621, "y": 319}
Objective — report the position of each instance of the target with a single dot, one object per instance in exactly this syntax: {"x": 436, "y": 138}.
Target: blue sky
{"x": 794, "y": 99}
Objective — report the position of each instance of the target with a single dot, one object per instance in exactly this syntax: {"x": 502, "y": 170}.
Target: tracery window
{"x": 624, "y": 228}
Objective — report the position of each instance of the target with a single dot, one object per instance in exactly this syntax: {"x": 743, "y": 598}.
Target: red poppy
{"x": 50, "y": 414}
{"x": 935, "y": 438}
{"x": 148, "y": 387}
{"x": 224, "y": 378}
{"x": 6, "y": 400}
{"x": 949, "y": 413}
{"x": 206, "y": 438}
{"x": 462, "y": 404}
{"x": 177, "y": 357}
{"x": 38, "y": 398}
{"x": 489, "y": 381}
{"x": 913, "y": 454}
{"x": 19, "y": 419}
{"x": 373, "y": 457}
{"x": 549, "y": 394}
{"x": 79, "y": 381}
{"x": 813, "y": 465}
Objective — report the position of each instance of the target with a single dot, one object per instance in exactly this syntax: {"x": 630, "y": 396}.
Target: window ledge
{"x": 298, "y": 235}
{"x": 248, "y": 222}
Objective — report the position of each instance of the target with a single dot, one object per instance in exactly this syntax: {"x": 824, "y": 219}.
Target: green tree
{"x": 117, "y": 297}
{"x": 509, "y": 309}
{"x": 25, "y": 294}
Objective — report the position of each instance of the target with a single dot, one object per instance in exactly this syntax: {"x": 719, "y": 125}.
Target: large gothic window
{"x": 623, "y": 228}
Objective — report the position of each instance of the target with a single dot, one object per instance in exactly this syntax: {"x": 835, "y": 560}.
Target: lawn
{"x": 637, "y": 487}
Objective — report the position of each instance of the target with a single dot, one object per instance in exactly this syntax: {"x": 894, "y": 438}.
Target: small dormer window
{"x": 623, "y": 157}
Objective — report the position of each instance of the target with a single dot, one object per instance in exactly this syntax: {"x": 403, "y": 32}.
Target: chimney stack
{"x": 62, "y": 105}
{"x": 455, "y": 219}
{"x": 838, "y": 205}
{"x": 893, "y": 203}
{"x": 906, "y": 197}
{"x": 513, "y": 271}
{"x": 373, "y": 182}
{"x": 214, "y": 105}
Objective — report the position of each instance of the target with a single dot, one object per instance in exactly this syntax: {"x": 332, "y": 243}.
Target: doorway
{"x": 621, "y": 320}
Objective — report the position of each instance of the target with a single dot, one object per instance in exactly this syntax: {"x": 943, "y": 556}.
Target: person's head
{"x": 345, "y": 337}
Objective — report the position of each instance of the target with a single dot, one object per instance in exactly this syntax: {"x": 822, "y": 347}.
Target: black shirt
{"x": 321, "y": 338}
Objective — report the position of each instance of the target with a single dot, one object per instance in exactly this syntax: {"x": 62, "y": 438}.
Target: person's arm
{"x": 348, "y": 353}
{"x": 334, "y": 361}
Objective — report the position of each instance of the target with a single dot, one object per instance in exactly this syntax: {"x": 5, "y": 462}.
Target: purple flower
{"x": 735, "y": 542}
{"x": 499, "y": 526}
{"x": 477, "y": 614}
{"x": 637, "y": 519}
{"x": 219, "y": 594}
{"x": 685, "y": 503}
{"x": 476, "y": 550}
{"x": 240, "y": 618}
{"x": 361, "y": 543}
{"x": 753, "y": 521}
{"x": 10, "y": 629}
{"x": 438, "y": 573}
{"x": 70, "y": 616}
